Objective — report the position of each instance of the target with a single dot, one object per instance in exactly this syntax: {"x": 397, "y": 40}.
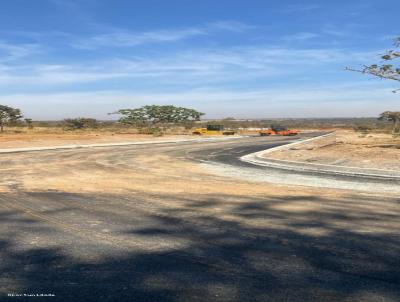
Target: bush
{"x": 80, "y": 123}
{"x": 155, "y": 131}
{"x": 29, "y": 123}
{"x": 362, "y": 128}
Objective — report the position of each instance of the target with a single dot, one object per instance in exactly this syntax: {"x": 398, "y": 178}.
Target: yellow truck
{"x": 213, "y": 130}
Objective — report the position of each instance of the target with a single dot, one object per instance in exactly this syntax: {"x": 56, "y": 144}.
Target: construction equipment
{"x": 278, "y": 130}
{"x": 213, "y": 130}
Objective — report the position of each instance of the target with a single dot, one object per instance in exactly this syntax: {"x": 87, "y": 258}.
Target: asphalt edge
{"x": 68, "y": 147}
{"x": 258, "y": 158}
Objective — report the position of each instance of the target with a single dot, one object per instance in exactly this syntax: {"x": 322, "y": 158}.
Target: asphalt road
{"x": 174, "y": 233}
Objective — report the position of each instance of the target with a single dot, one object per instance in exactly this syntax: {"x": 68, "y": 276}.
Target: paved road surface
{"x": 104, "y": 225}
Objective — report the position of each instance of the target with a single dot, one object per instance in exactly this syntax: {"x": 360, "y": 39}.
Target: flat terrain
{"x": 57, "y": 137}
{"x": 348, "y": 148}
{"x": 151, "y": 223}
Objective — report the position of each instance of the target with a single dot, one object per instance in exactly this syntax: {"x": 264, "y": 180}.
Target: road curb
{"x": 258, "y": 158}
{"x": 68, "y": 147}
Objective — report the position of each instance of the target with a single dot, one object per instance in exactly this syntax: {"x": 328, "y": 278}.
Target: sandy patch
{"x": 347, "y": 148}
{"x": 43, "y": 139}
{"x": 180, "y": 186}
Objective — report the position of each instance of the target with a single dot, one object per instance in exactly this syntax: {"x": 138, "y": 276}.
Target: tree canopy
{"x": 387, "y": 69}
{"x": 8, "y": 115}
{"x": 158, "y": 115}
{"x": 392, "y": 116}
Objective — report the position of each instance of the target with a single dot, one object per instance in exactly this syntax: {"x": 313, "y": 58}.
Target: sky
{"x": 242, "y": 58}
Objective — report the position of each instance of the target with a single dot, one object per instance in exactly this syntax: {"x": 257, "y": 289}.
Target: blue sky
{"x": 246, "y": 59}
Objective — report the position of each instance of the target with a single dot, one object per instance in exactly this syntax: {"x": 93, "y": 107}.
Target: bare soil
{"x": 115, "y": 222}
{"x": 347, "y": 148}
{"x": 58, "y": 137}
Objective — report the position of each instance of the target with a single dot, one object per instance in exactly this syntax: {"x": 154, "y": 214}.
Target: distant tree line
{"x": 147, "y": 116}
{"x": 153, "y": 119}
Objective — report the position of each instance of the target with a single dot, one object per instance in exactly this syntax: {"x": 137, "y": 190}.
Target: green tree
{"x": 158, "y": 115}
{"x": 8, "y": 115}
{"x": 392, "y": 116}
{"x": 387, "y": 69}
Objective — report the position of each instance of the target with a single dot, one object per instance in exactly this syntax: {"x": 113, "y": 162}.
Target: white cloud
{"x": 10, "y": 52}
{"x": 233, "y": 26}
{"x": 328, "y": 101}
{"x": 303, "y": 36}
{"x": 125, "y": 38}
{"x": 185, "y": 72}
{"x": 393, "y": 38}
{"x": 196, "y": 67}
{"x": 129, "y": 39}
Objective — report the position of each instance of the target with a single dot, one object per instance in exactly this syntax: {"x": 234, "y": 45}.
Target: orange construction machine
{"x": 278, "y": 130}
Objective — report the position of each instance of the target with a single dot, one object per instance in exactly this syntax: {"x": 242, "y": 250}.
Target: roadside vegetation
{"x": 365, "y": 142}
{"x": 12, "y": 122}
{"x": 80, "y": 123}
{"x": 165, "y": 120}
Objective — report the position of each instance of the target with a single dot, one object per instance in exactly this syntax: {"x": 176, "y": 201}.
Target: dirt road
{"x": 150, "y": 223}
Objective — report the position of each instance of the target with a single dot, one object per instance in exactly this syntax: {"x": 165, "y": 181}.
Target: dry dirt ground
{"x": 57, "y": 137}
{"x": 146, "y": 223}
{"x": 347, "y": 148}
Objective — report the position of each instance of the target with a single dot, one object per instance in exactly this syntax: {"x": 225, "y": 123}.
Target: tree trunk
{"x": 396, "y": 125}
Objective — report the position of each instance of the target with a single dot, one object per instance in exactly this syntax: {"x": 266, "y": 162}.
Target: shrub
{"x": 80, "y": 123}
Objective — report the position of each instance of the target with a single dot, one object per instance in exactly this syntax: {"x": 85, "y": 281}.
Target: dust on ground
{"x": 178, "y": 184}
{"x": 80, "y": 211}
{"x": 347, "y": 148}
{"x": 57, "y": 137}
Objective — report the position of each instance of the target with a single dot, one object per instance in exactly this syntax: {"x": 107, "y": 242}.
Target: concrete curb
{"x": 258, "y": 158}
{"x": 288, "y": 146}
{"x": 67, "y": 147}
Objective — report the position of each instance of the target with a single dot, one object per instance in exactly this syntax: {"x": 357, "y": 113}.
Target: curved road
{"x": 150, "y": 223}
